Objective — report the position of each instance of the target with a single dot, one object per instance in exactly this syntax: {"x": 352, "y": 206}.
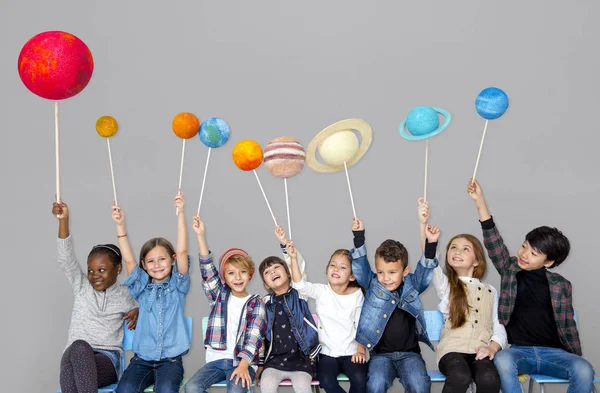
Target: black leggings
{"x": 462, "y": 368}
{"x": 329, "y": 368}
{"x": 83, "y": 371}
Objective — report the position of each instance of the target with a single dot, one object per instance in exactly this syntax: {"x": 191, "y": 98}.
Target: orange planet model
{"x": 106, "y": 126}
{"x": 247, "y": 155}
{"x": 186, "y": 125}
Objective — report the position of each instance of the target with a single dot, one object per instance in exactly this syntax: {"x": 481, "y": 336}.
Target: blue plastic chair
{"x": 544, "y": 379}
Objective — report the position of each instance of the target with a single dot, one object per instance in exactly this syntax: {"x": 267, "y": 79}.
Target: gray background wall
{"x": 282, "y": 68}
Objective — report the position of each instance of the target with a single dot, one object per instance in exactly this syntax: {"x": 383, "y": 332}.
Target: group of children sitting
{"x": 369, "y": 322}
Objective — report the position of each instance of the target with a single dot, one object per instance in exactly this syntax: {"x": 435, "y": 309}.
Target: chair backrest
{"x": 434, "y": 321}
{"x": 129, "y": 334}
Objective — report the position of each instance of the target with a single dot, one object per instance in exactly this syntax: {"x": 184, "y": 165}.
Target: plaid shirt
{"x": 560, "y": 289}
{"x": 253, "y": 321}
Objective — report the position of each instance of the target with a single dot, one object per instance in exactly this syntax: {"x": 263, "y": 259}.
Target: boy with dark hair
{"x": 535, "y": 306}
{"x": 391, "y": 322}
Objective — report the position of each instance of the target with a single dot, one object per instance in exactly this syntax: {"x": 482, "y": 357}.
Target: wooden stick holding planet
{"x": 421, "y": 123}
{"x": 55, "y": 65}
{"x": 340, "y": 148}
{"x": 106, "y": 127}
{"x": 214, "y": 132}
{"x": 491, "y": 103}
{"x": 248, "y": 155}
{"x": 185, "y": 125}
{"x": 284, "y": 158}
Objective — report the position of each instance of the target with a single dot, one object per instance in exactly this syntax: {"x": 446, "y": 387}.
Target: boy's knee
{"x": 378, "y": 383}
{"x": 233, "y": 387}
{"x": 125, "y": 387}
{"x": 418, "y": 383}
{"x": 167, "y": 387}
{"x": 505, "y": 364}
{"x": 582, "y": 371}
{"x": 195, "y": 386}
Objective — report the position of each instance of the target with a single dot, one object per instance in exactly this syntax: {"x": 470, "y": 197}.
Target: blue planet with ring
{"x": 423, "y": 122}
{"x": 214, "y": 132}
{"x": 491, "y": 103}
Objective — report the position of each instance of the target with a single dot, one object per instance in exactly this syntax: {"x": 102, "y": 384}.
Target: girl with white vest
{"x": 472, "y": 333}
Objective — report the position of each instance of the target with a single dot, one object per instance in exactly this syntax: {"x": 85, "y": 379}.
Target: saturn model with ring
{"x": 423, "y": 123}
{"x": 338, "y": 144}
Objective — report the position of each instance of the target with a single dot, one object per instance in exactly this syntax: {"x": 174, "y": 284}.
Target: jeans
{"x": 462, "y": 368}
{"x": 214, "y": 372}
{"x": 408, "y": 367}
{"x": 329, "y": 368}
{"x": 553, "y": 362}
{"x": 166, "y": 375}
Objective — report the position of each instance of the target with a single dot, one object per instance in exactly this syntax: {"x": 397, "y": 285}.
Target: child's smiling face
{"x": 237, "y": 278}
{"x": 531, "y": 259}
{"x": 339, "y": 270}
{"x": 461, "y": 257}
{"x": 158, "y": 263}
{"x": 390, "y": 274}
{"x": 276, "y": 279}
{"x": 102, "y": 273}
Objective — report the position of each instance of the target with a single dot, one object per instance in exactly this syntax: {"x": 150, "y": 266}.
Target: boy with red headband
{"x": 236, "y": 323}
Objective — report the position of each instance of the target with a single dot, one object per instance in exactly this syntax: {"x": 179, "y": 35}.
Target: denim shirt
{"x": 380, "y": 303}
{"x": 161, "y": 330}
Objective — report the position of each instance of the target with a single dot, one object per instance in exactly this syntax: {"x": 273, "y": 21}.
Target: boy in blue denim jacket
{"x": 391, "y": 323}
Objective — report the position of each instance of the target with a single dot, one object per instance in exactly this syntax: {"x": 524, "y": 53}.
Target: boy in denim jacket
{"x": 391, "y": 323}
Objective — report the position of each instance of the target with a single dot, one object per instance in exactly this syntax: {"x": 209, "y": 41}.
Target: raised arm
{"x": 182, "y": 237}
{"x": 293, "y": 254}
{"x": 61, "y": 212}
{"x": 304, "y": 288}
{"x": 423, "y": 215}
{"x": 439, "y": 280}
{"x": 424, "y": 271}
{"x": 127, "y": 253}
{"x": 475, "y": 192}
{"x": 199, "y": 229}
{"x": 360, "y": 263}
{"x": 494, "y": 244}
{"x": 283, "y": 241}
{"x": 211, "y": 283}
{"x": 65, "y": 252}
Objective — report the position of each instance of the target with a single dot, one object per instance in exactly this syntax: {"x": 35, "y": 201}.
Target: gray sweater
{"x": 97, "y": 317}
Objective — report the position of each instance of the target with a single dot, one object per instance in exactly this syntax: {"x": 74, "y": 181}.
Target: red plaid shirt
{"x": 560, "y": 290}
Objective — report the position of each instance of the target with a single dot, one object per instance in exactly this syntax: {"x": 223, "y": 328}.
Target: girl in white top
{"x": 338, "y": 307}
{"x": 472, "y": 333}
